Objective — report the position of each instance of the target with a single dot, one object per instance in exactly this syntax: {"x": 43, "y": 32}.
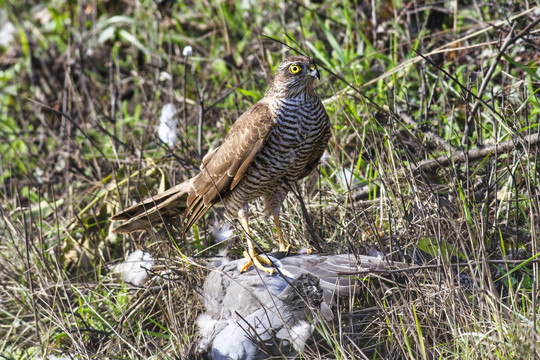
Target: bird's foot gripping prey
{"x": 280, "y": 139}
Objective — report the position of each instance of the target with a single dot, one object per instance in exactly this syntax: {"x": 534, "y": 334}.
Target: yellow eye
{"x": 295, "y": 69}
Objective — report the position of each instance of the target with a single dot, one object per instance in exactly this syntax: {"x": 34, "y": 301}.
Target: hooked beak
{"x": 315, "y": 73}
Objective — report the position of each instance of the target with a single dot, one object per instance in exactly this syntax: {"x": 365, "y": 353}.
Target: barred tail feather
{"x": 153, "y": 210}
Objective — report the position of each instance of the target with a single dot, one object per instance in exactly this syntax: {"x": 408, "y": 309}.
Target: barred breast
{"x": 292, "y": 151}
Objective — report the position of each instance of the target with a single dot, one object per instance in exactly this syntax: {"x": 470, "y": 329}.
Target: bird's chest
{"x": 296, "y": 126}
{"x": 298, "y": 133}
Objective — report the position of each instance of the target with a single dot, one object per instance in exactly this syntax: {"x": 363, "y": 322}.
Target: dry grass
{"x": 83, "y": 86}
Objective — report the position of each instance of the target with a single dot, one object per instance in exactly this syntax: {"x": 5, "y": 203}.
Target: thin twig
{"x": 476, "y": 154}
{"x": 428, "y": 133}
{"x": 507, "y": 42}
{"x": 457, "y": 157}
{"x": 200, "y": 123}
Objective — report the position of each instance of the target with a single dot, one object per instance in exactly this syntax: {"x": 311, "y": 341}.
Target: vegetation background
{"x": 433, "y": 161}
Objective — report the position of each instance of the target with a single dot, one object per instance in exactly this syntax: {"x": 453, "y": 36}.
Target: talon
{"x": 291, "y": 251}
{"x": 251, "y": 255}
{"x": 287, "y": 250}
{"x": 257, "y": 260}
{"x": 262, "y": 259}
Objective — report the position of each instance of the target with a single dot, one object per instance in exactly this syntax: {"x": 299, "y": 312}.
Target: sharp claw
{"x": 257, "y": 260}
{"x": 245, "y": 267}
{"x": 286, "y": 249}
{"x": 290, "y": 251}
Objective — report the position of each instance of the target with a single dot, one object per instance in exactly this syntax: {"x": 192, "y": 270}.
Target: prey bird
{"x": 249, "y": 317}
{"x": 279, "y": 140}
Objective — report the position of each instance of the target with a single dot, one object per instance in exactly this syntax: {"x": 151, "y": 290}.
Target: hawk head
{"x": 294, "y": 76}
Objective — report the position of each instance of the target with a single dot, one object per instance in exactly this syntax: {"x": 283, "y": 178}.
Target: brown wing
{"x": 223, "y": 169}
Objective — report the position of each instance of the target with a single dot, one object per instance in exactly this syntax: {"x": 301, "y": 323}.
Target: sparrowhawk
{"x": 279, "y": 140}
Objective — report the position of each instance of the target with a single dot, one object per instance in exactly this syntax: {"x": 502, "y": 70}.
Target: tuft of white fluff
{"x": 167, "y": 131}
{"x": 164, "y": 76}
{"x": 221, "y": 233}
{"x": 347, "y": 178}
{"x": 63, "y": 357}
{"x": 187, "y": 51}
{"x": 7, "y": 34}
{"x": 206, "y": 325}
{"x": 134, "y": 269}
{"x": 324, "y": 158}
{"x": 208, "y": 329}
{"x": 300, "y": 334}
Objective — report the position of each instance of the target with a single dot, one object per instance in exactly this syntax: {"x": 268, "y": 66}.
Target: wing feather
{"x": 225, "y": 167}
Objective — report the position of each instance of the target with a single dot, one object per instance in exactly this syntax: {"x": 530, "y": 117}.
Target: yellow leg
{"x": 281, "y": 243}
{"x": 282, "y": 246}
{"x": 251, "y": 255}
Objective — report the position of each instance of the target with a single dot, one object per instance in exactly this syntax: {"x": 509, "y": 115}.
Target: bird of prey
{"x": 279, "y": 140}
{"x": 249, "y": 317}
